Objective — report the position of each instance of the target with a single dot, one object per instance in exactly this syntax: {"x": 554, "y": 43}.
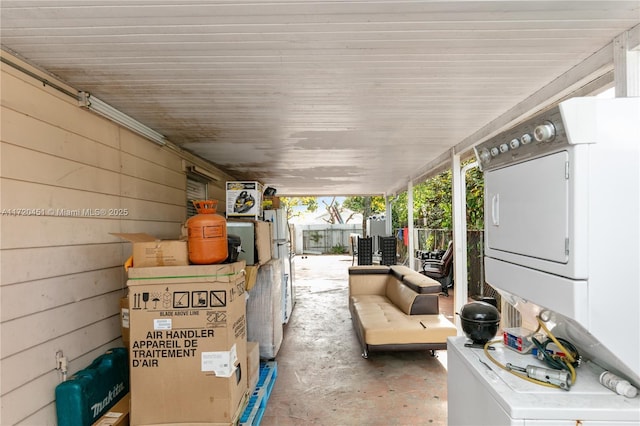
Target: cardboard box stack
{"x": 270, "y": 202}
{"x": 244, "y": 199}
{"x": 188, "y": 344}
{"x": 186, "y": 326}
{"x": 149, "y": 251}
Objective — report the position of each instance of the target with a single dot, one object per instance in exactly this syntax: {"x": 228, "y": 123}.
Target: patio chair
{"x": 441, "y": 269}
{"x": 365, "y": 251}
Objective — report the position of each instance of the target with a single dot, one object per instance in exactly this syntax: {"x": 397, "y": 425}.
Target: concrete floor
{"x": 322, "y": 378}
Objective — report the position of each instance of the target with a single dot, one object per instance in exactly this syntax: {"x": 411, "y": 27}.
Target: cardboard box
{"x": 118, "y": 415}
{"x": 253, "y": 364}
{"x": 251, "y": 276}
{"x": 255, "y": 239}
{"x": 271, "y": 203}
{"x": 124, "y": 320}
{"x": 148, "y": 251}
{"x": 188, "y": 349}
{"x": 234, "y": 422}
{"x": 244, "y": 199}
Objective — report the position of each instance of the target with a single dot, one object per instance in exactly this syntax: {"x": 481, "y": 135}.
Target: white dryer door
{"x": 527, "y": 208}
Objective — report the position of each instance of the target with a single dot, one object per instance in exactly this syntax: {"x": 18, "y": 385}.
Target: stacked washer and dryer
{"x": 562, "y": 241}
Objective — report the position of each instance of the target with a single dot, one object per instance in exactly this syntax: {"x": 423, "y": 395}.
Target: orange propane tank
{"x": 207, "y": 234}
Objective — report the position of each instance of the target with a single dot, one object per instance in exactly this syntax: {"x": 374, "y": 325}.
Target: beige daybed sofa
{"x": 396, "y": 308}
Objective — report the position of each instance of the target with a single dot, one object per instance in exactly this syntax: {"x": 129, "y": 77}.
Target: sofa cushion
{"x": 400, "y": 295}
{"x": 368, "y": 284}
{"x": 369, "y": 301}
{"x": 383, "y": 323}
{"x": 421, "y": 283}
{"x": 368, "y": 270}
{"x": 399, "y": 271}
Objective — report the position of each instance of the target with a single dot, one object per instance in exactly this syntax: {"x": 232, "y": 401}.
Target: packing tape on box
{"x": 169, "y": 277}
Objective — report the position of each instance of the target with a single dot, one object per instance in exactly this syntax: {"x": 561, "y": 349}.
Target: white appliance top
{"x": 587, "y": 399}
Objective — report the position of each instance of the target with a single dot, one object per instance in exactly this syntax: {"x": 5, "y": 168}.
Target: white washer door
{"x": 527, "y": 208}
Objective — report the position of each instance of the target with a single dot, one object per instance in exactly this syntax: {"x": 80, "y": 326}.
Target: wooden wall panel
{"x": 41, "y": 295}
{"x": 62, "y": 273}
{"x": 141, "y": 148}
{"x": 47, "y": 138}
{"x": 218, "y": 193}
{"x": 146, "y": 190}
{"x": 57, "y": 201}
{"x": 42, "y": 417}
{"x": 35, "y": 394}
{"x": 32, "y": 166}
{"x": 29, "y": 398}
{"x": 80, "y": 348}
{"x": 161, "y": 230}
{"x": 152, "y": 211}
{"x": 154, "y": 172}
{"x": 46, "y": 231}
{"x": 65, "y": 202}
{"x": 47, "y": 325}
{"x": 21, "y": 265}
{"x": 23, "y": 94}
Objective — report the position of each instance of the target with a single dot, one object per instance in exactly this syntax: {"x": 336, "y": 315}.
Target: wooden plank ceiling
{"x": 313, "y": 97}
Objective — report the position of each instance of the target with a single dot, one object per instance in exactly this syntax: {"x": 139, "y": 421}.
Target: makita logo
{"x": 113, "y": 393}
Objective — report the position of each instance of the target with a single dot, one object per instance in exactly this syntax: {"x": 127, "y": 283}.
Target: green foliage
{"x": 357, "y": 204}
{"x": 290, "y": 202}
{"x": 475, "y": 199}
{"x": 432, "y": 203}
{"x": 338, "y": 249}
{"x": 367, "y": 206}
{"x": 431, "y": 200}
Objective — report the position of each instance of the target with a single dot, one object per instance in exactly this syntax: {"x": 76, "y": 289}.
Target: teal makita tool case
{"x": 90, "y": 392}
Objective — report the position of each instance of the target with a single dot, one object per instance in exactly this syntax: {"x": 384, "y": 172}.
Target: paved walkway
{"x": 322, "y": 378}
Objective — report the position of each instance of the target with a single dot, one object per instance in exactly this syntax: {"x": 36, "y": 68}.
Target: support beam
{"x": 411, "y": 247}
{"x": 388, "y": 215}
{"x": 459, "y": 246}
{"x": 626, "y": 64}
